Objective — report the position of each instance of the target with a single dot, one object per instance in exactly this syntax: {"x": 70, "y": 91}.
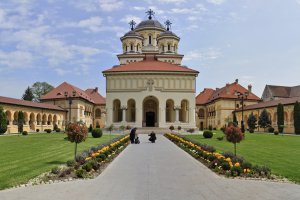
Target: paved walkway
{"x": 159, "y": 171}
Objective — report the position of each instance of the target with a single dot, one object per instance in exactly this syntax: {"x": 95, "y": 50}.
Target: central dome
{"x": 150, "y": 24}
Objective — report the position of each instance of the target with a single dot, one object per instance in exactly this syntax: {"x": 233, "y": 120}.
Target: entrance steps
{"x": 148, "y": 130}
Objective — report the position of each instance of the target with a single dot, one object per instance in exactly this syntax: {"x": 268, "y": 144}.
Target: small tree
{"x": 3, "y": 122}
{"x": 297, "y": 117}
{"x": 252, "y": 122}
{"x": 264, "y": 120}
{"x": 110, "y": 128}
{"x": 234, "y": 135}
{"x": 28, "y": 95}
{"x": 280, "y": 117}
{"x": 20, "y": 121}
{"x": 77, "y": 133}
{"x": 179, "y": 128}
{"x": 122, "y": 127}
{"x": 234, "y": 119}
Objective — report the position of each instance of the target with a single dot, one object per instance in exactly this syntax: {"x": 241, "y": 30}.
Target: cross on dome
{"x": 132, "y": 24}
{"x": 168, "y": 24}
{"x": 150, "y": 13}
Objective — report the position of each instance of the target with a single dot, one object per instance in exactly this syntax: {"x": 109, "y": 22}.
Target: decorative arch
{"x": 39, "y": 119}
{"x": 49, "y": 121}
{"x": 31, "y": 121}
{"x": 8, "y": 117}
{"x": 184, "y": 111}
{"x": 55, "y": 120}
{"x": 26, "y": 118}
{"x": 117, "y": 112}
{"x": 150, "y": 111}
{"x": 292, "y": 117}
{"x": 150, "y": 39}
{"x": 15, "y": 121}
{"x": 44, "y": 119}
{"x": 170, "y": 112}
{"x": 131, "y": 110}
{"x": 275, "y": 118}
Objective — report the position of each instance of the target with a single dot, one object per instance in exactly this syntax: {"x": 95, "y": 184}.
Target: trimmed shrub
{"x": 207, "y": 134}
{"x": 87, "y": 166}
{"x": 55, "y": 170}
{"x": 55, "y": 127}
{"x": 24, "y": 133}
{"x": 97, "y": 133}
{"x": 48, "y": 130}
{"x": 128, "y": 127}
{"x": 77, "y": 133}
{"x": 191, "y": 130}
{"x": 81, "y": 173}
{"x": 90, "y": 128}
{"x": 210, "y": 127}
{"x": 220, "y": 138}
{"x": 276, "y": 132}
{"x": 236, "y": 171}
{"x": 3, "y": 122}
{"x": 234, "y": 135}
{"x": 71, "y": 163}
{"x": 297, "y": 117}
{"x": 37, "y": 130}
{"x": 271, "y": 130}
{"x": 251, "y": 130}
{"x": 171, "y": 128}
{"x": 58, "y": 130}
{"x": 225, "y": 166}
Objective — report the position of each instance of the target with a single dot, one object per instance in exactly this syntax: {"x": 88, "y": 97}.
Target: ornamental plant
{"x": 297, "y": 117}
{"x": 252, "y": 122}
{"x": 3, "y": 122}
{"x": 234, "y": 135}
{"x": 77, "y": 133}
{"x": 97, "y": 133}
{"x": 264, "y": 120}
{"x": 280, "y": 117}
{"x": 20, "y": 121}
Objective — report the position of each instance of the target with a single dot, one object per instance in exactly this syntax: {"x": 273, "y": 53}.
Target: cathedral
{"x": 150, "y": 87}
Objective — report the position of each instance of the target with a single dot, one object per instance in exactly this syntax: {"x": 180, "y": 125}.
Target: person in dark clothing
{"x": 132, "y": 135}
{"x": 152, "y": 137}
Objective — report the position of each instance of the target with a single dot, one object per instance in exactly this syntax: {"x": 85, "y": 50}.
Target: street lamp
{"x": 70, "y": 98}
{"x": 242, "y": 97}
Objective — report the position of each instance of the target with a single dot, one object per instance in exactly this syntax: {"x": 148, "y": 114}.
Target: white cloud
{"x": 172, "y": 1}
{"x": 199, "y": 8}
{"x": 128, "y": 18}
{"x": 216, "y": 2}
{"x": 15, "y": 60}
{"x": 298, "y": 1}
{"x": 110, "y": 5}
{"x": 203, "y": 55}
{"x": 139, "y": 8}
{"x": 93, "y": 23}
{"x": 95, "y": 5}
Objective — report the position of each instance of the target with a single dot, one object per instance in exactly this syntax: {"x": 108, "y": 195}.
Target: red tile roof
{"x": 150, "y": 66}
{"x": 226, "y": 92}
{"x": 273, "y": 103}
{"x": 19, "y": 102}
{"x": 97, "y": 98}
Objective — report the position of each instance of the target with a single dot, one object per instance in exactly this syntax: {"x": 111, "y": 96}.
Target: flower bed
{"x": 88, "y": 164}
{"x": 225, "y": 163}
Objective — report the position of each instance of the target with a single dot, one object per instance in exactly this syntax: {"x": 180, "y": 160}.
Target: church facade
{"x": 150, "y": 87}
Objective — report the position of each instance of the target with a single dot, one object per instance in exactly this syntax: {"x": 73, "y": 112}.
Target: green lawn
{"x": 25, "y": 157}
{"x": 280, "y": 153}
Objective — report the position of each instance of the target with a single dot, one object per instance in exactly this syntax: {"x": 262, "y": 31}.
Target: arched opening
{"x": 130, "y": 113}
{"x": 44, "y": 119}
{"x": 170, "y": 112}
{"x": 131, "y": 47}
{"x": 150, "y": 39}
{"x": 169, "y": 47}
{"x": 184, "y": 111}
{"x": 98, "y": 113}
{"x": 275, "y": 118}
{"x": 15, "y": 121}
{"x": 55, "y": 121}
{"x": 138, "y": 47}
{"x": 49, "y": 122}
{"x": 292, "y": 117}
{"x": 38, "y": 119}
{"x": 175, "y": 48}
{"x": 8, "y": 117}
{"x": 201, "y": 113}
{"x": 286, "y": 118}
{"x": 31, "y": 121}
{"x": 201, "y": 126}
{"x": 117, "y": 112}
{"x": 150, "y": 111}
{"x": 26, "y": 118}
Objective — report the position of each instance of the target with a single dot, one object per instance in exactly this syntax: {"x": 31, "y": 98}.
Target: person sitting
{"x": 137, "y": 140}
{"x": 152, "y": 137}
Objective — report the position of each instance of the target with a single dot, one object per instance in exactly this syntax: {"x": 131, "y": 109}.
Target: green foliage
{"x": 20, "y": 121}
{"x": 97, "y": 133}
{"x": 264, "y": 120}
{"x": 171, "y": 128}
{"x": 191, "y": 130}
{"x": 77, "y": 133}
{"x": 71, "y": 163}
{"x": 225, "y": 166}
{"x": 276, "y": 132}
{"x": 236, "y": 171}
{"x": 280, "y": 117}
{"x": 271, "y": 130}
{"x": 110, "y": 128}
{"x": 252, "y": 122}
{"x": 90, "y": 128}
{"x": 3, "y": 121}
{"x": 234, "y": 135}
{"x": 297, "y": 117}
{"x": 24, "y": 133}
{"x": 81, "y": 173}
{"x": 87, "y": 166}
{"x": 48, "y": 130}
{"x": 210, "y": 127}
{"x": 39, "y": 89}
{"x": 28, "y": 95}
{"x": 55, "y": 170}
{"x": 55, "y": 127}
{"x": 207, "y": 134}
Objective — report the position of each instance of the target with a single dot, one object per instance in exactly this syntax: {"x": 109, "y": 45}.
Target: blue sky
{"x": 256, "y": 41}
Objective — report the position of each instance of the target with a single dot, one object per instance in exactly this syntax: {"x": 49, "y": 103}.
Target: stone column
{"x": 124, "y": 108}
{"x": 177, "y": 108}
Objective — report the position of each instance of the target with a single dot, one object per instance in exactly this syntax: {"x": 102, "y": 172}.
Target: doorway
{"x": 150, "y": 119}
{"x": 150, "y": 112}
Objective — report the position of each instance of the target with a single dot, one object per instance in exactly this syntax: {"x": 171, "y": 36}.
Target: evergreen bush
{"x": 207, "y": 134}
{"x": 97, "y": 133}
{"x": 20, "y": 121}
{"x": 3, "y": 121}
{"x": 280, "y": 117}
{"x": 297, "y": 117}
{"x": 24, "y": 133}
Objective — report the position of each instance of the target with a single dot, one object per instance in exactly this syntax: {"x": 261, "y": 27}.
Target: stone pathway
{"x": 159, "y": 171}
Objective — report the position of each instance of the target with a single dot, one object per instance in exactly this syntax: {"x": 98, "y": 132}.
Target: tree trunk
{"x": 235, "y": 149}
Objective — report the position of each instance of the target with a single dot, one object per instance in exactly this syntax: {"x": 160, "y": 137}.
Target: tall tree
{"x": 264, "y": 120}
{"x": 280, "y": 117}
{"x": 39, "y": 89}
{"x": 252, "y": 122}
{"x": 297, "y": 117}
{"x": 3, "y": 121}
{"x": 28, "y": 95}
{"x": 20, "y": 121}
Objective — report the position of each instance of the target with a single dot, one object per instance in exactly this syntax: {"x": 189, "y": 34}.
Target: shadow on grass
{"x": 56, "y": 162}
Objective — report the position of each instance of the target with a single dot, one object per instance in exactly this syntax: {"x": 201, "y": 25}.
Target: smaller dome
{"x": 168, "y": 34}
{"x": 132, "y": 34}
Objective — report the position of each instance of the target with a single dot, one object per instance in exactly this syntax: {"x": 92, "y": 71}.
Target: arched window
{"x": 150, "y": 39}
{"x": 201, "y": 113}
{"x": 130, "y": 112}
{"x": 169, "y": 47}
{"x": 184, "y": 111}
{"x": 131, "y": 47}
{"x": 170, "y": 112}
{"x": 117, "y": 112}
{"x": 98, "y": 113}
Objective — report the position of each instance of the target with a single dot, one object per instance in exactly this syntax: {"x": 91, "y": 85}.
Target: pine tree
{"x": 297, "y": 117}
{"x": 252, "y": 122}
{"x": 28, "y": 95}
{"x": 3, "y": 121}
{"x": 280, "y": 117}
{"x": 20, "y": 121}
{"x": 264, "y": 120}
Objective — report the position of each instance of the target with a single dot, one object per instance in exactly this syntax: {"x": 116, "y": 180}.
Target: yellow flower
{"x": 237, "y": 164}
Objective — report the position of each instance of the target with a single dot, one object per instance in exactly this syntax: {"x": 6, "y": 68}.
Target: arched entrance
{"x": 150, "y": 112}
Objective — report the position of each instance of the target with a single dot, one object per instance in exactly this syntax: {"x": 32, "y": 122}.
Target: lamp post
{"x": 70, "y": 99}
{"x": 242, "y": 97}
